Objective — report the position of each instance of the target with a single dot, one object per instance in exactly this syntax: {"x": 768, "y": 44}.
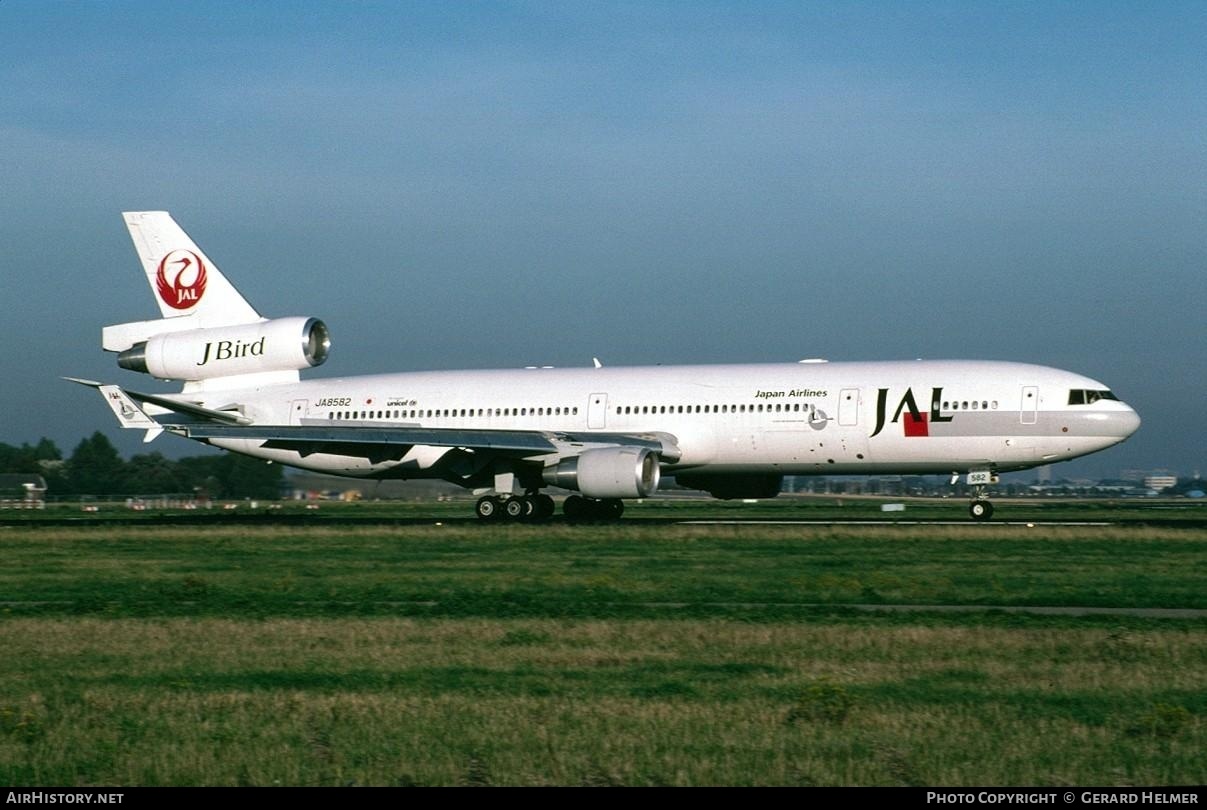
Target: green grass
{"x": 638, "y": 655}
{"x": 752, "y": 573}
{"x": 406, "y": 701}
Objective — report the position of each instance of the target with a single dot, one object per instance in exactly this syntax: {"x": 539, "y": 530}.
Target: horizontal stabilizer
{"x": 229, "y": 417}
{"x": 121, "y": 400}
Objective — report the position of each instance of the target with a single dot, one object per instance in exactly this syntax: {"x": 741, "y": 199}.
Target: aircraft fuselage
{"x": 907, "y": 417}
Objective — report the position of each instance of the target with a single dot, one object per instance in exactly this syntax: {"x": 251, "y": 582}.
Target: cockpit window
{"x": 1088, "y": 397}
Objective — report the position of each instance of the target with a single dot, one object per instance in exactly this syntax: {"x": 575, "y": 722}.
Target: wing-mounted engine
{"x": 608, "y": 472}
{"x": 283, "y": 344}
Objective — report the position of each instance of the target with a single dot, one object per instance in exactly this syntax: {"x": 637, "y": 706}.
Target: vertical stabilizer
{"x": 184, "y": 281}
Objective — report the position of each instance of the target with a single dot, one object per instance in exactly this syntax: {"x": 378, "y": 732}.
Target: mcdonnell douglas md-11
{"x": 604, "y": 433}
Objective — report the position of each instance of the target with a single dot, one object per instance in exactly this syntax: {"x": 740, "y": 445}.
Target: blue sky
{"x": 503, "y": 184}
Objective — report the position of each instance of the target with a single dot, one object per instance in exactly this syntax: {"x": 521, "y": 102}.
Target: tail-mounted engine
{"x": 284, "y": 344}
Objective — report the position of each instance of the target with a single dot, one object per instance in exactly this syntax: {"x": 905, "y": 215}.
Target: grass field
{"x": 631, "y": 654}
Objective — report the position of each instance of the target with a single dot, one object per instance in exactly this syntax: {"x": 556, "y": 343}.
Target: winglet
{"x": 128, "y": 413}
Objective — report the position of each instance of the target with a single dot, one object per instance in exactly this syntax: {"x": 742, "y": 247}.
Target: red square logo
{"x": 916, "y": 425}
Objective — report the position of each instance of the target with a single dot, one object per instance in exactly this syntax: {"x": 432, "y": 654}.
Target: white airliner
{"x": 606, "y": 433}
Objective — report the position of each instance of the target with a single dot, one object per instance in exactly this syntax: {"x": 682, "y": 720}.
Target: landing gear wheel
{"x": 543, "y": 506}
{"x": 611, "y": 509}
{"x": 575, "y": 507}
{"x": 980, "y": 510}
{"x": 489, "y": 508}
{"x": 518, "y": 508}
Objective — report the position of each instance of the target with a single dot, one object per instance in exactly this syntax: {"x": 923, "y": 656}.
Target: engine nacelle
{"x": 284, "y": 344}
{"x": 729, "y": 486}
{"x": 608, "y": 472}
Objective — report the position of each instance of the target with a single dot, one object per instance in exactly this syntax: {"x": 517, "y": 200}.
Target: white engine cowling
{"x": 611, "y": 472}
{"x": 284, "y": 344}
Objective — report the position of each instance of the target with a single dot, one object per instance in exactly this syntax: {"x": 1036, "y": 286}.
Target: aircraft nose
{"x": 1124, "y": 423}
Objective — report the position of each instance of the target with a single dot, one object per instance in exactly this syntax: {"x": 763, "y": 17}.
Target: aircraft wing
{"x": 387, "y": 441}
{"x": 373, "y": 442}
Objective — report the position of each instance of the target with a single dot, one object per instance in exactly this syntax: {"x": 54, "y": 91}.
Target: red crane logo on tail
{"x": 188, "y": 282}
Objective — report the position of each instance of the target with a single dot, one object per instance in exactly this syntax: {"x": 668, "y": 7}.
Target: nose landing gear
{"x": 980, "y": 508}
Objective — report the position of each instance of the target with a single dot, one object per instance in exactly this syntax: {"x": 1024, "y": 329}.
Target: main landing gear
{"x": 537, "y": 506}
{"x": 534, "y": 506}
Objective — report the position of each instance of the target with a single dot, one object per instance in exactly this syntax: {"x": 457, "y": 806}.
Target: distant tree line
{"x": 96, "y": 468}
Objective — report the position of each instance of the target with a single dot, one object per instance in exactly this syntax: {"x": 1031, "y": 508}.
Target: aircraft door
{"x": 297, "y": 410}
{"x": 1029, "y": 407}
{"x": 597, "y": 411}
{"x": 848, "y": 407}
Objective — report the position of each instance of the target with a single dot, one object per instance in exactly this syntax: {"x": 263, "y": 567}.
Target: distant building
{"x": 1160, "y": 482}
{"x": 22, "y": 491}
